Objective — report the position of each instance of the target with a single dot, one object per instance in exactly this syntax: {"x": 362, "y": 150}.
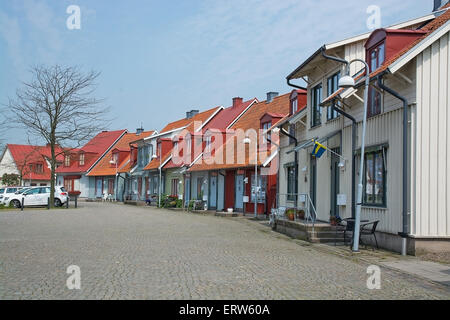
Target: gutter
{"x": 404, "y": 233}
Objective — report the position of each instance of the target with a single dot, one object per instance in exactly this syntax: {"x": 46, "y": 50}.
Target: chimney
{"x": 139, "y": 131}
{"x": 237, "y": 101}
{"x": 271, "y": 95}
{"x": 191, "y": 113}
{"x": 438, "y": 4}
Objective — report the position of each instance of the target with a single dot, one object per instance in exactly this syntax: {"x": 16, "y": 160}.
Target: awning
{"x": 310, "y": 143}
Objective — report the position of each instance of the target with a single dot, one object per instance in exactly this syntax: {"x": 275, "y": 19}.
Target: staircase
{"x": 319, "y": 233}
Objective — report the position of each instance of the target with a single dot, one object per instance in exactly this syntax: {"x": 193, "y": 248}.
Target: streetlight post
{"x": 347, "y": 82}
{"x": 116, "y": 180}
{"x": 255, "y": 204}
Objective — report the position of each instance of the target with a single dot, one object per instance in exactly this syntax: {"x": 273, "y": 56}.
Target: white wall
{"x": 430, "y": 174}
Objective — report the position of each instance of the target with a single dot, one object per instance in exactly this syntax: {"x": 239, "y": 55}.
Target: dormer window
{"x": 39, "y": 168}
{"x": 294, "y": 103}
{"x": 332, "y": 87}
{"x": 81, "y": 159}
{"x": 265, "y": 127}
{"x": 67, "y": 161}
{"x": 377, "y": 56}
{"x": 114, "y": 159}
{"x": 208, "y": 141}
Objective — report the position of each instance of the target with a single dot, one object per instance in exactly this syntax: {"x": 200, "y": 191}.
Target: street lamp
{"x": 114, "y": 161}
{"x": 159, "y": 189}
{"x": 255, "y": 204}
{"x": 348, "y": 82}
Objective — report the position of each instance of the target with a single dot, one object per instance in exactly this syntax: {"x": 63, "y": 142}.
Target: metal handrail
{"x": 309, "y": 208}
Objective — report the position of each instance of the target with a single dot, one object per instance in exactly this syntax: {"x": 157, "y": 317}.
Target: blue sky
{"x": 159, "y": 59}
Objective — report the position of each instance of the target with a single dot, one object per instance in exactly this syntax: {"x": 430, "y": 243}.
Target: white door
{"x": 42, "y": 197}
{"x": 31, "y": 197}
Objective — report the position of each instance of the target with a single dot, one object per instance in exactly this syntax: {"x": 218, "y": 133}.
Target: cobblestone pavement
{"x": 127, "y": 252}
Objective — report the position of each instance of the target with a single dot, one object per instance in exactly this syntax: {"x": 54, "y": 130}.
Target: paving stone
{"x": 128, "y": 252}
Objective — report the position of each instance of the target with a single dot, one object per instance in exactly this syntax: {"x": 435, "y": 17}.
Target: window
{"x": 375, "y": 178}
{"x": 208, "y": 140}
{"x": 39, "y": 168}
{"x": 332, "y": 87}
{"x": 81, "y": 159}
{"x": 175, "y": 183}
{"x": 114, "y": 159}
{"x": 155, "y": 184}
{"x": 291, "y": 183}
{"x": 316, "y": 111}
{"x": 294, "y": 106}
{"x": 261, "y": 190}
{"x": 200, "y": 188}
{"x": 265, "y": 127}
{"x": 67, "y": 161}
{"x": 376, "y": 58}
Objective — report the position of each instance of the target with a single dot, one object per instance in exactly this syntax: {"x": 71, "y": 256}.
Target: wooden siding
{"x": 430, "y": 203}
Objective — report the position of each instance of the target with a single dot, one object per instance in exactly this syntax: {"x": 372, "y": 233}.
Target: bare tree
{"x": 58, "y": 106}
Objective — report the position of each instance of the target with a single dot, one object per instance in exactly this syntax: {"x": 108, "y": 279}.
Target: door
{"x": 31, "y": 197}
{"x": 334, "y": 208}
{"x": 43, "y": 196}
{"x": 221, "y": 193}
{"x": 213, "y": 192}
{"x": 187, "y": 191}
{"x": 139, "y": 188}
{"x": 111, "y": 186}
{"x": 239, "y": 193}
{"x": 313, "y": 180}
{"x": 99, "y": 188}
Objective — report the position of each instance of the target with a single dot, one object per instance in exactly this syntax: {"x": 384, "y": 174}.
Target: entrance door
{"x": 187, "y": 191}
{"x": 213, "y": 192}
{"x": 313, "y": 180}
{"x": 239, "y": 193}
{"x": 334, "y": 208}
{"x": 99, "y": 188}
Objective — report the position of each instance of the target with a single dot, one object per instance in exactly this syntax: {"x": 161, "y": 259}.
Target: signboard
{"x": 341, "y": 199}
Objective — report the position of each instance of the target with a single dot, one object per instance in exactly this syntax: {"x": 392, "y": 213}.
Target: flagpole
{"x": 331, "y": 151}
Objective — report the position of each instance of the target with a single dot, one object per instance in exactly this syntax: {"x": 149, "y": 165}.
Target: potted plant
{"x": 290, "y": 214}
{"x": 301, "y": 214}
{"x": 333, "y": 221}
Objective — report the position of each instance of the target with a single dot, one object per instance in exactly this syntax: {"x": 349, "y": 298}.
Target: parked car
{"x": 38, "y": 196}
{"x": 8, "y": 192}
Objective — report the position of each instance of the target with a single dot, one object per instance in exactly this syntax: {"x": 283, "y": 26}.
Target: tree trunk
{"x": 52, "y": 175}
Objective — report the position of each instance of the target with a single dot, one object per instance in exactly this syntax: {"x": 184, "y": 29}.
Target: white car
{"x": 8, "y": 192}
{"x": 37, "y": 196}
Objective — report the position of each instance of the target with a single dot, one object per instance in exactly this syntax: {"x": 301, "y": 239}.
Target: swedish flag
{"x": 318, "y": 150}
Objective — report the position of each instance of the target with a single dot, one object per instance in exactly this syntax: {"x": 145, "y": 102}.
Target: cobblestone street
{"x": 127, "y": 252}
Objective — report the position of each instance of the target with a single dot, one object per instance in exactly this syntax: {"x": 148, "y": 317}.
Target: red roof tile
{"x": 104, "y": 167}
{"x": 26, "y": 155}
{"x": 93, "y": 150}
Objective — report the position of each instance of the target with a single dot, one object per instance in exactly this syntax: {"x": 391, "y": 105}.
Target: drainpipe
{"x": 404, "y": 233}
{"x": 278, "y": 176}
{"x": 296, "y": 163}
{"x": 354, "y": 131}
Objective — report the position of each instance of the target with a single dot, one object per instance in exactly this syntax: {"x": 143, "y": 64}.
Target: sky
{"x": 159, "y": 59}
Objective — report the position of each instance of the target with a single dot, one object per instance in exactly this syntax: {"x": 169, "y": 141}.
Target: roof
{"x": 104, "y": 167}
{"x": 298, "y": 72}
{"x": 429, "y": 29}
{"x": 250, "y": 120}
{"x": 227, "y": 116}
{"x": 95, "y": 150}
{"x": 24, "y": 155}
{"x": 184, "y": 123}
